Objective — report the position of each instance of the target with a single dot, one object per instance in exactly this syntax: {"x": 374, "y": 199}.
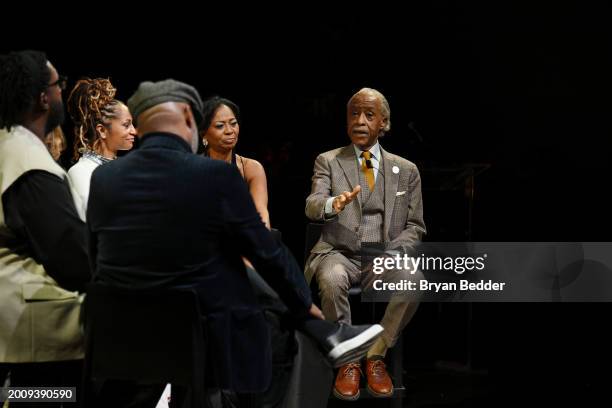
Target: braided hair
{"x": 24, "y": 75}
{"x": 91, "y": 102}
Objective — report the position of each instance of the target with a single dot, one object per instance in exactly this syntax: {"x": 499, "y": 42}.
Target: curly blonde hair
{"x": 91, "y": 102}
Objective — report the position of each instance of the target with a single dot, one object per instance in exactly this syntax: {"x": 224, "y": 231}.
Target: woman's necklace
{"x": 96, "y": 157}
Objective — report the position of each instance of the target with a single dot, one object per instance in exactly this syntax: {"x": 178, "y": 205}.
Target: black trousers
{"x": 282, "y": 326}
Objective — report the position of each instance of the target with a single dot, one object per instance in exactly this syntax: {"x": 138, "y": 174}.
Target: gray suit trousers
{"x": 336, "y": 274}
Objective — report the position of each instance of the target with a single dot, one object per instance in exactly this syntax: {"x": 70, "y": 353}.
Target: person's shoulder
{"x": 332, "y": 154}
{"x": 113, "y": 170}
{"x": 83, "y": 165}
{"x": 251, "y": 164}
{"x": 252, "y": 170}
{"x": 21, "y": 151}
{"x": 201, "y": 162}
{"x": 82, "y": 170}
{"x": 209, "y": 170}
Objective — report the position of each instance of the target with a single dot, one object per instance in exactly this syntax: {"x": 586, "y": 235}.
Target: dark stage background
{"x": 523, "y": 90}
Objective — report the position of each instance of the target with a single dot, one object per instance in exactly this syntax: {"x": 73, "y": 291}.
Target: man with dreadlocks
{"x": 102, "y": 127}
{"x": 43, "y": 258}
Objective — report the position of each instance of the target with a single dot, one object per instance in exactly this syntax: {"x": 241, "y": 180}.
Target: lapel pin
{"x": 395, "y": 170}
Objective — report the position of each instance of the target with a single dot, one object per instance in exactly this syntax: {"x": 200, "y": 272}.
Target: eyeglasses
{"x": 62, "y": 82}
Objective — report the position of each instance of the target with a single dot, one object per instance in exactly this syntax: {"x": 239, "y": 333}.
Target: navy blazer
{"x": 165, "y": 217}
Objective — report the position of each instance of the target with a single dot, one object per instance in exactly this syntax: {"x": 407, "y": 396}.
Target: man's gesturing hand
{"x": 345, "y": 198}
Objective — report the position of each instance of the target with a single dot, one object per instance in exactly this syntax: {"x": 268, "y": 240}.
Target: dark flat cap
{"x": 150, "y": 94}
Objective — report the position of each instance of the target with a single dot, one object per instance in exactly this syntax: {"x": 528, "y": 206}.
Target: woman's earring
{"x": 205, "y": 143}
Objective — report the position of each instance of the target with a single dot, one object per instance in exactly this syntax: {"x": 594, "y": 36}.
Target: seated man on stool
{"x": 363, "y": 194}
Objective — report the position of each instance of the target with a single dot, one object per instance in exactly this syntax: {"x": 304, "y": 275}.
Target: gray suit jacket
{"x": 337, "y": 171}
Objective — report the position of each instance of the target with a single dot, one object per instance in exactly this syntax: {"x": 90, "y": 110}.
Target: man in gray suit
{"x": 363, "y": 194}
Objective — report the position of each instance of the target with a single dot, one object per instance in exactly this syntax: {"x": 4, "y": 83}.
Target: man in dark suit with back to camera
{"x": 165, "y": 217}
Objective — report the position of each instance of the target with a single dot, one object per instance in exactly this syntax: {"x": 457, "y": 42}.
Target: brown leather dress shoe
{"x": 379, "y": 382}
{"x": 347, "y": 382}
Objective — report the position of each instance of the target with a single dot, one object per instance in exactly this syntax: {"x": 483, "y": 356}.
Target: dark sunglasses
{"x": 62, "y": 82}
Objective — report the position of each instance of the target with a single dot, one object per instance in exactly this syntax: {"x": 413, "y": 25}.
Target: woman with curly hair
{"x": 102, "y": 126}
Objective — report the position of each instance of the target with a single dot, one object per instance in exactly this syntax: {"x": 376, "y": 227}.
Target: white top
{"x": 80, "y": 175}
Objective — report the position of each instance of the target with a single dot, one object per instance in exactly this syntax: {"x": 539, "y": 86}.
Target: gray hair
{"x": 386, "y": 110}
